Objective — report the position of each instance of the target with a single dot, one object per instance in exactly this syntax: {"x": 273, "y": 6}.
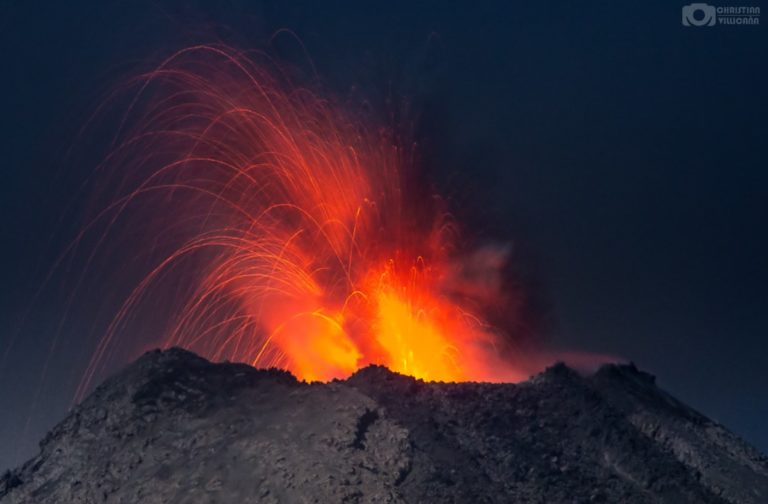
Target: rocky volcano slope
{"x": 174, "y": 428}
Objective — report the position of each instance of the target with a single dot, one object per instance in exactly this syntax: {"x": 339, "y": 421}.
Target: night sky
{"x": 621, "y": 154}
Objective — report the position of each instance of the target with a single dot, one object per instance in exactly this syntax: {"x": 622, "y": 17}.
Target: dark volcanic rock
{"x": 174, "y": 428}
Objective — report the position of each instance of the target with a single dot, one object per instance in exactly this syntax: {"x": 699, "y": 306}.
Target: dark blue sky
{"x": 622, "y": 154}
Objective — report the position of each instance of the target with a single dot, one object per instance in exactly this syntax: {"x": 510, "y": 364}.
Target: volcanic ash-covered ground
{"x": 175, "y": 428}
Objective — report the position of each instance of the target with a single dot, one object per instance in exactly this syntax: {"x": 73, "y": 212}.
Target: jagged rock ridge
{"x": 175, "y": 428}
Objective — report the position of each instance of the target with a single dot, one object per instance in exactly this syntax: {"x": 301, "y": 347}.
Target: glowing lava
{"x": 285, "y": 234}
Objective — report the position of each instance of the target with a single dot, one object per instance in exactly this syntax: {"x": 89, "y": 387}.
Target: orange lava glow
{"x": 294, "y": 236}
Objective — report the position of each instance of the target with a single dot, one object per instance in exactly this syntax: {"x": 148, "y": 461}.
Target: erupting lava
{"x": 285, "y": 234}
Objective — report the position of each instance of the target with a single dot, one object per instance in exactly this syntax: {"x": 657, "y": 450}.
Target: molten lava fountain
{"x": 288, "y": 235}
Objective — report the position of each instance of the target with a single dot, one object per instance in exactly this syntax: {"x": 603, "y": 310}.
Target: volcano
{"x": 174, "y": 427}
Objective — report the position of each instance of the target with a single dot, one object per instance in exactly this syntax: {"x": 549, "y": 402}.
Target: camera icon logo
{"x": 699, "y": 14}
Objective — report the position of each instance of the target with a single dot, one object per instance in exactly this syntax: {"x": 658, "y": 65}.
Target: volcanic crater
{"x": 173, "y": 427}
